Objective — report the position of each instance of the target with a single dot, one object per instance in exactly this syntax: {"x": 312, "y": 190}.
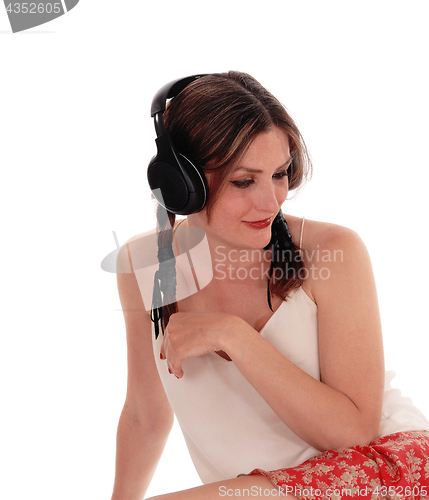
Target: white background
{"x": 75, "y": 140}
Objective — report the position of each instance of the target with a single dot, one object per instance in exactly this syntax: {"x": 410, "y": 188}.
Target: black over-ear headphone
{"x": 177, "y": 184}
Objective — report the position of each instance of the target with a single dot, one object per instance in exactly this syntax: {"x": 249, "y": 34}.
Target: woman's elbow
{"x": 361, "y": 434}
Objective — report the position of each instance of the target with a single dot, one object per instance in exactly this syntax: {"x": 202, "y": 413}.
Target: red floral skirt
{"x": 391, "y": 467}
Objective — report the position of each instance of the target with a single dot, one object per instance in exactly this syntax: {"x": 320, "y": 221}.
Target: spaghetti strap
{"x": 302, "y": 233}
{"x": 176, "y": 243}
{"x": 129, "y": 258}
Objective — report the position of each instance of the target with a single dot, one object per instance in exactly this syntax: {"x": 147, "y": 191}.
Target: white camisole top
{"x": 229, "y": 428}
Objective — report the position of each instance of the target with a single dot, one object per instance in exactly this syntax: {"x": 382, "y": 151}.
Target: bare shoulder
{"x": 138, "y": 252}
{"x": 134, "y": 256}
{"x": 329, "y": 250}
{"x": 322, "y": 234}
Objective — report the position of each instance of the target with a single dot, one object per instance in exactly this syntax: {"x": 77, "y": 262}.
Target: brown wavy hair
{"x": 212, "y": 122}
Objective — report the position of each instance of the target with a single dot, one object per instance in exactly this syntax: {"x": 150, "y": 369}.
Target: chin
{"x": 261, "y": 242}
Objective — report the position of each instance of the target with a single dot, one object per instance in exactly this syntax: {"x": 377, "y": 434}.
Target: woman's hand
{"x": 189, "y": 335}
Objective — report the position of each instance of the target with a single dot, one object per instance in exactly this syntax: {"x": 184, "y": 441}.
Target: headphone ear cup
{"x": 177, "y": 184}
{"x": 198, "y": 191}
{"x": 167, "y": 185}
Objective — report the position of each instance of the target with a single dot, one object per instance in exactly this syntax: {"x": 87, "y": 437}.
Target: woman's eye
{"x": 280, "y": 175}
{"x": 243, "y": 183}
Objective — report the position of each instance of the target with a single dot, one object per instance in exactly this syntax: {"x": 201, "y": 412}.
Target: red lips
{"x": 259, "y": 224}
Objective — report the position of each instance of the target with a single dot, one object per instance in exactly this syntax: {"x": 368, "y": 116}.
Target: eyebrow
{"x": 257, "y": 171}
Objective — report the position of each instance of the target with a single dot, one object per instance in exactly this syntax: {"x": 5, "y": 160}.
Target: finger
{"x": 178, "y": 374}
{"x": 174, "y": 361}
{"x": 162, "y": 351}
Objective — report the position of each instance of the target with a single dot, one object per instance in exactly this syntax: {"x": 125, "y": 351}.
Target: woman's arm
{"x": 344, "y": 408}
{"x": 147, "y": 417}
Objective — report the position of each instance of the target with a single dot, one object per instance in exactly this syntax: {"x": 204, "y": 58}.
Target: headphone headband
{"x": 169, "y": 91}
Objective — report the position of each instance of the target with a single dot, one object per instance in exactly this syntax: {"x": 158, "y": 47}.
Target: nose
{"x": 269, "y": 199}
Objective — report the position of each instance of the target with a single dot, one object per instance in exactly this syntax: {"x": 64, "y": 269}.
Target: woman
{"x": 274, "y": 368}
